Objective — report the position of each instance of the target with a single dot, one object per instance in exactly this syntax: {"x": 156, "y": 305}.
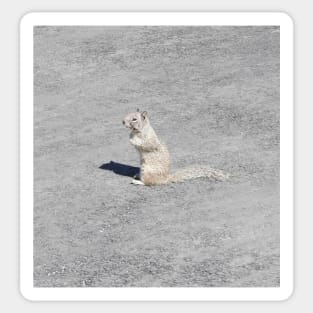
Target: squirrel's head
{"x": 136, "y": 121}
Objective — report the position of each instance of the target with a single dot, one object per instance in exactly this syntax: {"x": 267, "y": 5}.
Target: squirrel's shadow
{"x": 120, "y": 169}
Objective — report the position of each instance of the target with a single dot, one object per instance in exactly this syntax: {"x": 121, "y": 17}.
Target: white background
{"x": 300, "y": 11}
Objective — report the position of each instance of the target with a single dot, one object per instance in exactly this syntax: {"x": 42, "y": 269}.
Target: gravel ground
{"x": 212, "y": 94}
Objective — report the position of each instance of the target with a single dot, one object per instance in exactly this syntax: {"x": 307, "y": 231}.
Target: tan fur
{"x": 154, "y": 156}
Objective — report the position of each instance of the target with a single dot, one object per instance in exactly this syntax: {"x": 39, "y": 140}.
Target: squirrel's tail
{"x": 197, "y": 172}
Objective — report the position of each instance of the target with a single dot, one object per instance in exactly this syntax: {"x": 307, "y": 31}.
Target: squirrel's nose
{"x": 123, "y": 122}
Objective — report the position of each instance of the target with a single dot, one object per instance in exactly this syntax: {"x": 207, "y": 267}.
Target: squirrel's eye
{"x": 134, "y": 119}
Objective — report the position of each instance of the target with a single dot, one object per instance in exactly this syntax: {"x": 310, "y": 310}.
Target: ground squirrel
{"x": 154, "y": 156}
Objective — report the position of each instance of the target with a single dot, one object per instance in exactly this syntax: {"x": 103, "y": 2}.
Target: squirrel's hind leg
{"x": 137, "y": 182}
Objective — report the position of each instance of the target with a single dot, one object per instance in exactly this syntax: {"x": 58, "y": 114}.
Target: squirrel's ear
{"x": 144, "y": 114}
